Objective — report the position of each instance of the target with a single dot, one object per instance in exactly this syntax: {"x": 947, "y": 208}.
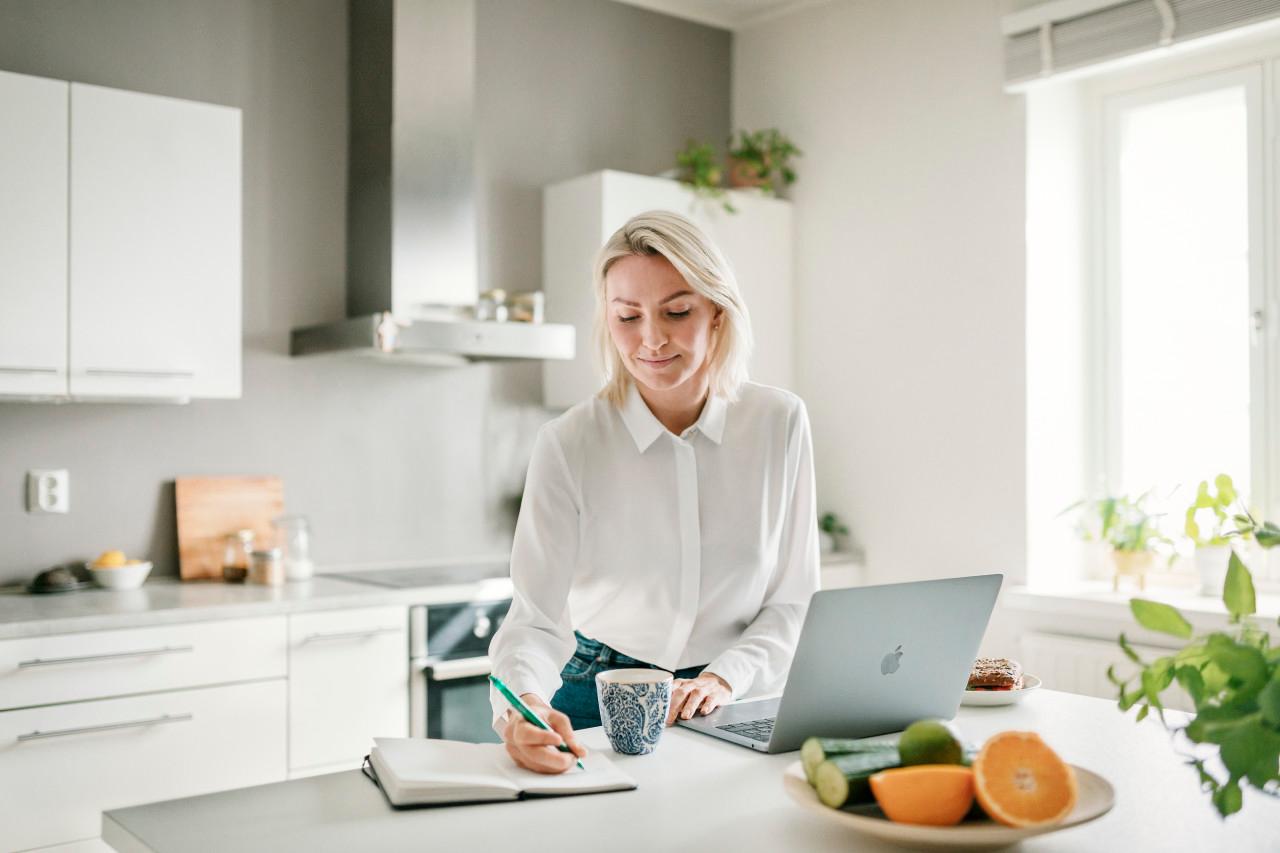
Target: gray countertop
{"x": 165, "y": 601}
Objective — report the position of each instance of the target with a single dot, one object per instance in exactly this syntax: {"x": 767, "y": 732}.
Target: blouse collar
{"x": 645, "y": 427}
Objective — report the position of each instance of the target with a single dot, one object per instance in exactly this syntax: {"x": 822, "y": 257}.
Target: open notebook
{"x": 419, "y": 772}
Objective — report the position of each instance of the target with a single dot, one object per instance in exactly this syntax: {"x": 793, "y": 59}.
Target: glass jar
{"x": 293, "y": 534}
{"x": 237, "y": 552}
{"x": 266, "y": 567}
{"x": 527, "y": 307}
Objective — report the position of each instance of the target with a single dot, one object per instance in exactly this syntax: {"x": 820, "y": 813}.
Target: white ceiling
{"x": 725, "y": 14}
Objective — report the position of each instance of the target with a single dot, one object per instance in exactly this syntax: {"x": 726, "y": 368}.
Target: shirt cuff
{"x": 734, "y": 670}
{"x": 520, "y": 680}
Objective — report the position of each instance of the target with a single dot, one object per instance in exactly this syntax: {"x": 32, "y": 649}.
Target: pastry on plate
{"x": 995, "y": 674}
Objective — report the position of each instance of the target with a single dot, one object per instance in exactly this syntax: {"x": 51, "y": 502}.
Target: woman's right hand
{"x": 535, "y": 749}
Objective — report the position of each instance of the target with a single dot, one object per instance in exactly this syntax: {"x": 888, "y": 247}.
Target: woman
{"x": 668, "y": 522}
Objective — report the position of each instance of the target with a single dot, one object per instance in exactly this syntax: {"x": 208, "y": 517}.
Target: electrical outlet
{"x": 48, "y": 490}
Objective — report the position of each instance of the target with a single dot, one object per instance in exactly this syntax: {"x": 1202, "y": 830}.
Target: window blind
{"x": 1123, "y": 29}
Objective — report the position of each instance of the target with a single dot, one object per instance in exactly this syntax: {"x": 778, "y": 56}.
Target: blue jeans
{"x": 576, "y": 697}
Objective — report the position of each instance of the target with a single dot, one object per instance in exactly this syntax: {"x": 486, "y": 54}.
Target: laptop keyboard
{"x": 760, "y": 730}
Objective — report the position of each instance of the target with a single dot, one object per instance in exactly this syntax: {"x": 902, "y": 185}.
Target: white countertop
{"x": 165, "y": 601}
{"x": 700, "y": 794}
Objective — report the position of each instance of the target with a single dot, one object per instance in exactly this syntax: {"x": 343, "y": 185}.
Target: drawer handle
{"x": 45, "y": 370}
{"x": 140, "y": 374}
{"x": 106, "y": 727}
{"x": 142, "y": 653}
{"x": 349, "y": 635}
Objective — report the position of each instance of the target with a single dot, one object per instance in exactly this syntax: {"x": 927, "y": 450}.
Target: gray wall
{"x": 391, "y": 463}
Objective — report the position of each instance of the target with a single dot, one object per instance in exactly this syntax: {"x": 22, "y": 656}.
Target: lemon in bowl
{"x": 112, "y": 570}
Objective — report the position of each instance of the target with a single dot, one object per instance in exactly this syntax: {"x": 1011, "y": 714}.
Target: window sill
{"x": 1096, "y": 598}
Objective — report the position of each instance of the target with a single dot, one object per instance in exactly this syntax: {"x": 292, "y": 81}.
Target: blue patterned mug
{"x": 633, "y": 707}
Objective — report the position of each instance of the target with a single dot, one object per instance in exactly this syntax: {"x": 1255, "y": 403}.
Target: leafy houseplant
{"x": 700, "y": 168}
{"x": 756, "y": 158}
{"x": 1130, "y": 531}
{"x": 1232, "y": 676}
{"x": 831, "y": 526}
{"x": 1213, "y": 538}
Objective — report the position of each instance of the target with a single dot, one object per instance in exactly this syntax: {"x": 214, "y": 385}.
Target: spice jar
{"x": 236, "y": 551}
{"x": 266, "y": 567}
{"x": 527, "y": 307}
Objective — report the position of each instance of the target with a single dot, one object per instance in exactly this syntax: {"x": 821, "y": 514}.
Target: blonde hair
{"x": 704, "y": 269}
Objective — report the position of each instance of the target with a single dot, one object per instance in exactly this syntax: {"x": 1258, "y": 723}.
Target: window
{"x": 1182, "y": 199}
{"x": 1153, "y": 271}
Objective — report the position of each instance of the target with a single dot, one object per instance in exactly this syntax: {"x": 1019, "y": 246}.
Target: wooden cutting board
{"x": 209, "y": 508}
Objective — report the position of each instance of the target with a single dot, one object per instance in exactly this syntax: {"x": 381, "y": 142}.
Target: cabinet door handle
{"x": 141, "y": 653}
{"x": 106, "y": 727}
{"x": 140, "y": 374}
{"x": 349, "y": 635}
{"x": 41, "y": 370}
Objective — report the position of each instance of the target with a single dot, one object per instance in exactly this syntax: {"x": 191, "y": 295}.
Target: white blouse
{"x": 681, "y": 550}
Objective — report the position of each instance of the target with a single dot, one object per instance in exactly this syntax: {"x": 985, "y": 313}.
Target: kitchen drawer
{"x": 348, "y": 683}
{"x": 62, "y": 765}
{"x": 71, "y": 667}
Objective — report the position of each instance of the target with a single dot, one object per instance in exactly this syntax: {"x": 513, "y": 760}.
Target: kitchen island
{"x": 700, "y": 794}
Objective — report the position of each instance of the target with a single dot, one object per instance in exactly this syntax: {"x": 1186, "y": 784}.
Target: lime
{"x": 930, "y": 742}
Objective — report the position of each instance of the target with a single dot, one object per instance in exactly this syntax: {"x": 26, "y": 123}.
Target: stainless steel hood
{"x": 412, "y": 213}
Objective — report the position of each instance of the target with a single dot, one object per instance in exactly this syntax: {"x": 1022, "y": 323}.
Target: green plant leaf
{"x": 1192, "y": 682}
{"x": 1226, "y": 489}
{"x": 1228, "y": 798}
{"x": 1269, "y": 699}
{"x": 1237, "y": 592}
{"x": 1268, "y": 535}
{"x": 1156, "y": 616}
{"x": 1214, "y": 725}
{"x": 1252, "y": 750}
{"x": 1129, "y": 652}
{"x": 1142, "y": 713}
{"x": 1243, "y": 663}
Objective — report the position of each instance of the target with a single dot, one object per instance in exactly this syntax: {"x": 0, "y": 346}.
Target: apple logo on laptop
{"x": 889, "y": 664}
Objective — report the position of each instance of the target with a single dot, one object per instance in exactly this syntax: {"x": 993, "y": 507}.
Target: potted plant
{"x": 829, "y": 528}
{"x": 699, "y": 167}
{"x": 1129, "y": 532}
{"x": 1209, "y": 526}
{"x": 760, "y": 159}
{"x": 1232, "y": 677}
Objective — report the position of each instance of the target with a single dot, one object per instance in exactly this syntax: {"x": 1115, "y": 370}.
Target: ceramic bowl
{"x": 128, "y": 576}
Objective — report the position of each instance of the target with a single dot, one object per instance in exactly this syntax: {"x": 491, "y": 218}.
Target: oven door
{"x": 457, "y": 700}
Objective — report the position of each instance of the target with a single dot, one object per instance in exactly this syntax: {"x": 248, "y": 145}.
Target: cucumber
{"x": 842, "y": 780}
{"x": 818, "y": 749}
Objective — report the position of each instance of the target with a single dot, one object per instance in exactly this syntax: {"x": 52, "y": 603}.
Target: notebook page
{"x": 600, "y": 774}
{"x": 439, "y": 768}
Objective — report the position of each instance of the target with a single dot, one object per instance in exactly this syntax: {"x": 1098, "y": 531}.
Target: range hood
{"x": 412, "y": 214}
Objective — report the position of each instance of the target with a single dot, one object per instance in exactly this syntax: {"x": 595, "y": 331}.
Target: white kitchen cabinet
{"x": 580, "y": 214}
{"x": 348, "y": 683}
{"x": 33, "y": 236}
{"x": 155, "y": 246}
{"x": 64, "y": 764}
{"x": 74, "y": 667}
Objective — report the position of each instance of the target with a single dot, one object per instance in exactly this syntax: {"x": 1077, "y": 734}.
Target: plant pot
{"x": 826, "y": 542}
{"x": 743, "y": 174}
{"x": 1133, "y": 564}
{"x": 1211, "y": 565}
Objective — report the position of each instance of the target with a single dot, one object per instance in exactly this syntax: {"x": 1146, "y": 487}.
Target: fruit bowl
{"x": 1095, "y": 798}
{"x": 128, "y": 576}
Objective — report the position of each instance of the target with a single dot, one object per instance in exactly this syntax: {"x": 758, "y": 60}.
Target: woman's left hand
{"x": 700, "y": 695}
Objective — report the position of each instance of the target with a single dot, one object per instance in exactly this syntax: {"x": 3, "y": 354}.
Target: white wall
{"x": 910, "y": 247}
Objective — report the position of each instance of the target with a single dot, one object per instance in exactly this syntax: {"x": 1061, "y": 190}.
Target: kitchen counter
{"x": 165, "y": 601}
{"x": 698, "y": 793}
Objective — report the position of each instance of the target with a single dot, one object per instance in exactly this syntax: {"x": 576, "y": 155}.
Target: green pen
{"x": 525, "y": 712}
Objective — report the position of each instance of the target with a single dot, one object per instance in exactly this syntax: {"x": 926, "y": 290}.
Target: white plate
{"x": 987, "y": 698}
{"x": 1095, "y": 798}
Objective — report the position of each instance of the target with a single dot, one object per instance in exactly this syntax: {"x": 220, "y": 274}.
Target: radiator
{"x": 1079, "y": 665}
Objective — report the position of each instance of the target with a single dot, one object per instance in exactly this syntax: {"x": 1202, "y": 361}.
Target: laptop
{"x": 871, "y": 660}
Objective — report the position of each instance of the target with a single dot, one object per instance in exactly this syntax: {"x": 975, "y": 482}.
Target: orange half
{"x": 1020, "y": 781}
{"x": 928, "y": 794}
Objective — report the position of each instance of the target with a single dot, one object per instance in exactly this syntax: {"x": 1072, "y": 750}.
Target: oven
{"x": 449, "y": 669}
